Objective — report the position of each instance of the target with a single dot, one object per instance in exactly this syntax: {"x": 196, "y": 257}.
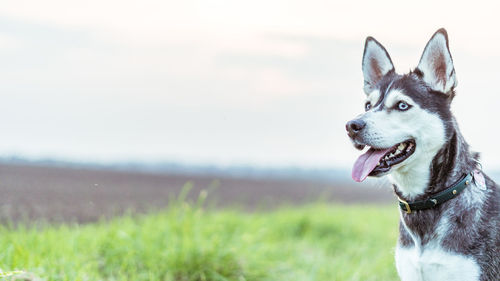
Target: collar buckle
{"x": 407, "y": 206}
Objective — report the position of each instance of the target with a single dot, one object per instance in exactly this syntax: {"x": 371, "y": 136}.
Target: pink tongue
{"x": 366, "y": 163}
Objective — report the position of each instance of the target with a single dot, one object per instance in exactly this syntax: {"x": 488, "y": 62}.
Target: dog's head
{"x": 407, "y": 118}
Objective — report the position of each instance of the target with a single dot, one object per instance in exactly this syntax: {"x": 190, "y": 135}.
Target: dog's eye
{"x": 403, "y": 106}
{"x": 368, "y": 106}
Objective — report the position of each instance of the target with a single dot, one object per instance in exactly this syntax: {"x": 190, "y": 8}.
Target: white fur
{"x": 437, "y": 49}
{"x": 386, "y": 128}
{"x": 434, "y": 264}
{"x": 428, "y": 131}
{"x": 373, "y": 96}
{"x": 396, "y": 96}
{"x": 431, "y": 262}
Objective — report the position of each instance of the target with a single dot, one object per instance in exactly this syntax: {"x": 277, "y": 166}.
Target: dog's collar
{"x": 436, "y": 199}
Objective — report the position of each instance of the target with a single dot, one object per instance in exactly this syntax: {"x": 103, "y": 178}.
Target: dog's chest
{"x": 433, "y": 263}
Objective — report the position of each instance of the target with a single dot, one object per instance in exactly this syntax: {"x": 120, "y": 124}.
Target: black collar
{"x": 436, "y": 199}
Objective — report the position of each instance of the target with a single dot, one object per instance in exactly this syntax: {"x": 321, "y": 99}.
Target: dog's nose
{"x": 355, "y": 126}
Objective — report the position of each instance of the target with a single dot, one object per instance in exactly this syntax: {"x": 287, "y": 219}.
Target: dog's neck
{"x": 451, "y": 163}
{"x": 438, "y": 172}
{"x": 445, "y": 169}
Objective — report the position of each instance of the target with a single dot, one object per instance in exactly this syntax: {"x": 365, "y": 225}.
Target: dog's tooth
{"x": 401, "y": 146}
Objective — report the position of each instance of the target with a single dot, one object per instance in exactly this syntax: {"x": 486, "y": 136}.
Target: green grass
{"x": 187, "y": 242}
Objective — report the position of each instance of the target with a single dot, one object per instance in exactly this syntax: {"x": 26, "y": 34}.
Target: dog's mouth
{"x": 376, "y": 161}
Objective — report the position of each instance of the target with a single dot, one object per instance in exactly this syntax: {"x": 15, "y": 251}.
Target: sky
{"x": 265, "y": 83}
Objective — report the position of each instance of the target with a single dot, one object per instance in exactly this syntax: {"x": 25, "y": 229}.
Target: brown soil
{"x": 82, "y": 195}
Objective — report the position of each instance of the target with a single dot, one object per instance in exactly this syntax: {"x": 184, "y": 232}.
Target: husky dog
{"x": 449, "y": 209}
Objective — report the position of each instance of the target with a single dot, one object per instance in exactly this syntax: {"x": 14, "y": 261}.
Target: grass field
{"x": 188, "y": 242}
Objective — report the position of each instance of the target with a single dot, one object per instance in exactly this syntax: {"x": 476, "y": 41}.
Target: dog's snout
{"x": 353, "y": 127}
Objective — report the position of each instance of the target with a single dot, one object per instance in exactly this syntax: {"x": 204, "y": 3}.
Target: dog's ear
{"x": 376, "y": 63}
{"x": 436, "y": 65}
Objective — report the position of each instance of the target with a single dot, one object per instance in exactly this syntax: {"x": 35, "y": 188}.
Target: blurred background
{"x": 98, "y": 97}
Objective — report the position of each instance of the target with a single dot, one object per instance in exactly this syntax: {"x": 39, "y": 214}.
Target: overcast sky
{"x": 267, "y": 83}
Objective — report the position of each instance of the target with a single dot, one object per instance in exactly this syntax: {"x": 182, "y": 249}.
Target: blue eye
{"x": 403, "y": 106}
{"x": 368, "y": 106}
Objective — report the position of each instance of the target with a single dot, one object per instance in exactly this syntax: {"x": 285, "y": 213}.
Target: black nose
{"x": 355, "y": 126}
